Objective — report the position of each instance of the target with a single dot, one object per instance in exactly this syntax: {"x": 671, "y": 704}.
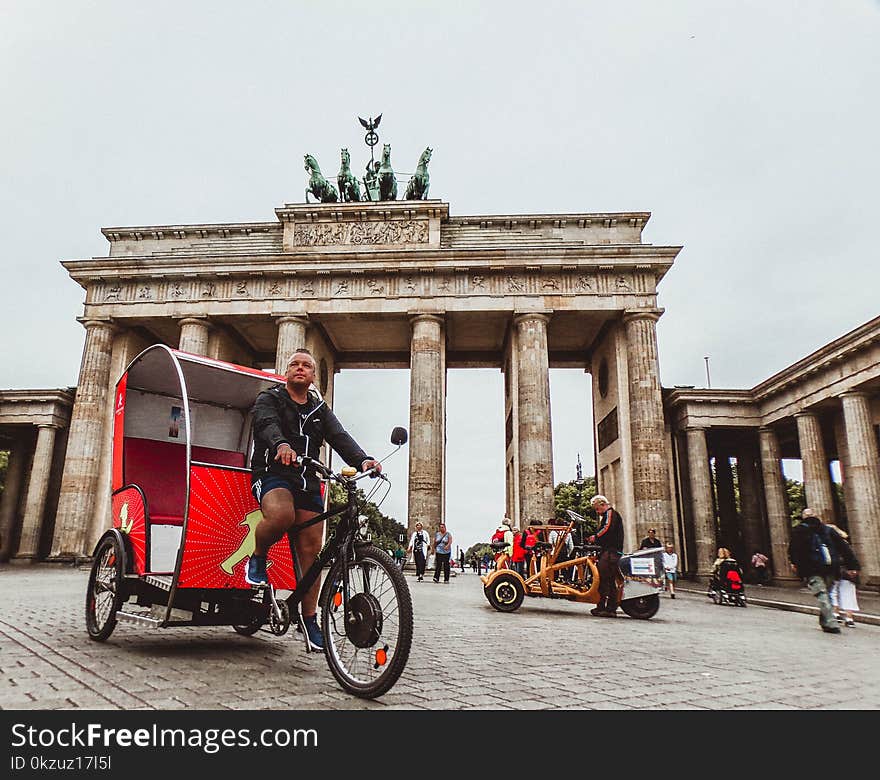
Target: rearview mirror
{"x": 399, "y": 436}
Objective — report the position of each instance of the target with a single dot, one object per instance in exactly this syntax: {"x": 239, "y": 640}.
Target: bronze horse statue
{"x": 417, "y": 189}
{"x": 387, "y": 181}
{"x": 322, "y": 189}
{"x": 349, "y": 189}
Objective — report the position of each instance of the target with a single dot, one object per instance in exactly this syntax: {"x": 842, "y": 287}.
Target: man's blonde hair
{"x": 599, "y": 499}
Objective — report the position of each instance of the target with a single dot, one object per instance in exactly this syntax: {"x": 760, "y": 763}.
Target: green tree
{"x": 567, "y": 495}
{"x": 385, "y": 530}
{"x": 797, "y": 499}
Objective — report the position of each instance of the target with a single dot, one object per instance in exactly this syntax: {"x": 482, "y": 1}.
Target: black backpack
{"x": 822, "y": 550}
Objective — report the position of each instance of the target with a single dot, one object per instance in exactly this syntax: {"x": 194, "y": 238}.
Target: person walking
{"x": 812, "y": 559}
{"x": 610, "y": 538}
{"x": 418, "y": 546}
{"x": 846, "y": 576}
{"x": 442, "y": 553}
{"x": 670, "y": 569}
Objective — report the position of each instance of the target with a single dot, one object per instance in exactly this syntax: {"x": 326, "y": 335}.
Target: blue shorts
{"x": 311, "y": 502}
{"x": 671, "y": 576}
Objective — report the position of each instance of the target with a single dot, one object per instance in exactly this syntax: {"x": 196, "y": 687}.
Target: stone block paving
{"x": 548, "y": 655}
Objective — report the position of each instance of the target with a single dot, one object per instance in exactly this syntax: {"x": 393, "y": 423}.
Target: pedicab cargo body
{"x": 183, "y": 514}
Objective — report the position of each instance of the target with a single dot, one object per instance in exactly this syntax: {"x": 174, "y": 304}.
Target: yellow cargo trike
{"x": 638, "y": 578}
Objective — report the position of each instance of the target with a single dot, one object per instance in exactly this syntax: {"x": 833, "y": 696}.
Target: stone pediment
{"x": 351, "y": 227}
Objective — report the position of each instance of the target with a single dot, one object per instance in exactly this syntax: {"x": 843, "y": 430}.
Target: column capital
{"x": 804, "y": 413}
{"x": 92, "y": 322}
{"x": 630, "y": 315}
{"x": 198, "y": 320}
{"x": 415, "y": 317}
{"x": 302, "y": 319}
{"x": 692, "y": 427}
{"x": 854, "y": 394}
{"x": 56, "y": 426}
{"x": 525, "y": 316}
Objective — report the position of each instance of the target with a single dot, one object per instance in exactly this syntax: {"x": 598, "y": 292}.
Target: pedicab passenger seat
{"x": 158, "y": 468}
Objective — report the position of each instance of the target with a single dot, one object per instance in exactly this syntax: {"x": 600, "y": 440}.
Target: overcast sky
{"x": 749, "y": 129}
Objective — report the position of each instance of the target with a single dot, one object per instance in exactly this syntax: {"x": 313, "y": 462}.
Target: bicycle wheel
{"x": 104, "y": 591}
{"x": 368, "y": 654}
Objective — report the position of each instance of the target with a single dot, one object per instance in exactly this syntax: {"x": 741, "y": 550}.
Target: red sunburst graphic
{"x": 128, "y": 516}
{"x": 217, "y": 545}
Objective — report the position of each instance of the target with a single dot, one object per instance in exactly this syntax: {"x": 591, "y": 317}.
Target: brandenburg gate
{"x": 395, "y": 284}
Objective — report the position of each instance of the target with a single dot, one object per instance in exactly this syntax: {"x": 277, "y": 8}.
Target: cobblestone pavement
{"x": 692, "y": 655}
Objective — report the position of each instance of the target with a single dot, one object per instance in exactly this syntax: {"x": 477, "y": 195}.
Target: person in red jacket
{"x": 518, "y": 558}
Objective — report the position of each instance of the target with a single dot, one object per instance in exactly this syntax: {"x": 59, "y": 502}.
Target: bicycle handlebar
{"x": 304, "y": 461}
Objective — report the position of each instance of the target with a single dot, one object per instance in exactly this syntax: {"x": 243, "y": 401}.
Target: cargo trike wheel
{"x": 104, "y": 591}
{"x": 505, "y": 592}
{"x": 642, "y": 608}
{"x": 368, "y": 651}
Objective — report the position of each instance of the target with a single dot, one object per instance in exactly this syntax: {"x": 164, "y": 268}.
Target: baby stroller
{"x": 726, "y": 587}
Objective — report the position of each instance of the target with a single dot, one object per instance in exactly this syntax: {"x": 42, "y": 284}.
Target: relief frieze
{"x": 400, "y": 231}
{"x": 329, "y": 285}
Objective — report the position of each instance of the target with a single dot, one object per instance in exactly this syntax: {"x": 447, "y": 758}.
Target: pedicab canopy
{"x": 182, "y": 438}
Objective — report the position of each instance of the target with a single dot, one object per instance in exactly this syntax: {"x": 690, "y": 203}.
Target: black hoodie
{"x": 278, "y": 419}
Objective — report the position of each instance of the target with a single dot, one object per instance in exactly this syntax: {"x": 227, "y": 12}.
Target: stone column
{"x": 653, "y": 505}
{"x": 11, "y": 493}
{"x": 194, "y": 335}
{"x": 427, "y": 410}
{"x": 703, "y": 510}
{"x": 817, "y": 475}
{"x": 864, "y": 474}
{"x": 778, "y": 519}
{"x": 35, "y": 503}
{"x": 291, "y": 336}
{"x": 76, "y": 500}
{"x": 753, "y": 537}
{"x": 533, "y": 419}
{"x": 726, "y": 500}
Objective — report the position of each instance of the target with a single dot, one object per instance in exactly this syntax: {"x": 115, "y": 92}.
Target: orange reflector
{"x": 337, "y": 599}
{"x": 381, "y": 657}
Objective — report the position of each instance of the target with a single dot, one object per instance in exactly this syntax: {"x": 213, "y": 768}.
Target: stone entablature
{"x": 390, "y": 253}
{"x": 845, "y": 364}
{"x": 36, "y": 407}
{"x": 345, "y": 227}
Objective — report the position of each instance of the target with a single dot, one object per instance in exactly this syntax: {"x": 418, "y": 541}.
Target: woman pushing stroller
{"x": 726, "y": 585}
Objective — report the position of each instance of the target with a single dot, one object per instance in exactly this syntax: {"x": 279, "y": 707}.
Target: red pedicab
{"x": 184, "y": 521}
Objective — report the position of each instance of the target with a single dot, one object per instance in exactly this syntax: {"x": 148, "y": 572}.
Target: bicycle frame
{"x": 335, "y": 543}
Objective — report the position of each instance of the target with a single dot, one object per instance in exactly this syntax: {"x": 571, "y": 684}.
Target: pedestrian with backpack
{"x": 812, "y": 553}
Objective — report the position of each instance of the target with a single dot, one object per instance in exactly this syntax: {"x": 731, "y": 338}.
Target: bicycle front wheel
{"x": 367, "y": 653}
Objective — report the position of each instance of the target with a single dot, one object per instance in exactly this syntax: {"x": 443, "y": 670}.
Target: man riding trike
{"x": 596, "y": 574}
